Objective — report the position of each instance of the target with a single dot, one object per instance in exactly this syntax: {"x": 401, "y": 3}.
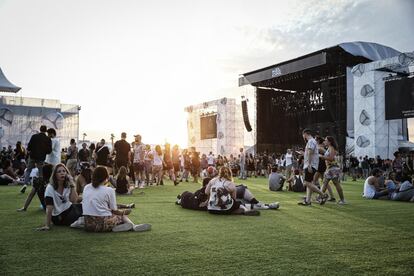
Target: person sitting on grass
{"x": 276, "y": 179}
{"x": 400, "y": 191}
{"x": 39, "y": 187}
{"x": 122, "y": 182}
{"x": 100, "y": 210}
{"x": 222, "y": 196}
{"x": 372, "y": 188}
{"x": 61, "y": 199}
{"x": 84, "y": 178}
{"x": 198, "y": 200}
{"x": 295, "y": 182}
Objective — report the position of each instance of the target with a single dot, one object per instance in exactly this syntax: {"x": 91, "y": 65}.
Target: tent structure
{"x": 6, "y": 85}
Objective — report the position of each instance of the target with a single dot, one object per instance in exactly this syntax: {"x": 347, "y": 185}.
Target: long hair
{"x": 332, "y": 141}
{"x": 54, "y": 180}
{"x": 225, "y": 173}
{"x": 100, "y": 174}
{"x": 158, "y": 150}
{"x": 122, "y": 174}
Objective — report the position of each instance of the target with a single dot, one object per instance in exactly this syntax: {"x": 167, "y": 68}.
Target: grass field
{"x": 364, "y": 237}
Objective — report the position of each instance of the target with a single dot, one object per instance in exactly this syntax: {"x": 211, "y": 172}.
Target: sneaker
{"x": 131, "y": 206}
{"x": 274, "y": 205}
{"x": 260, "y": 206}
{"x": 252, "y": 213}
{"x": 23, "y": 189}
{"x": 324, "y": 198}
{"x": 142, "y": 227}
{"x": 332, "y": 199}
{"x": 80, "y": 223}
{"x": 342, "y": 202}
{"x": 304, "y": 203}
{"x": 176, "y": 183}
{"x": 21, "y": 210}
{"x": 123, "y": 227}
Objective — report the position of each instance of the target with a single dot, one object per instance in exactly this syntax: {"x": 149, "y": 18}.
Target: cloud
{"x": 317, "y": 25}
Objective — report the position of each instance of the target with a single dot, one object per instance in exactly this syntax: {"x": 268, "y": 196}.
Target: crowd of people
{"x": 78, "y": 186}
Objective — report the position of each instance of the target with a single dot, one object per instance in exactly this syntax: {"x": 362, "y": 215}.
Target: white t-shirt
{"x": 54, "y": 157}
{"x": 312, "y": 146}
{"x": 288, "y": 158}
{"x": 98, "y": 201}
{"x": 210, "y": 159}
{"x": 157, "y": 158}
{"x": 369, "y": 190}
{"x": 61, "y": 202}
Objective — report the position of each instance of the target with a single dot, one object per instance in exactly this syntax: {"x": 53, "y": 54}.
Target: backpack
{"x": 220, "y": 198}
{"x": 298, "y": 185}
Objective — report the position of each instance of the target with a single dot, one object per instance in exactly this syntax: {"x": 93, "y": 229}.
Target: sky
{"x": 134, "y": 65}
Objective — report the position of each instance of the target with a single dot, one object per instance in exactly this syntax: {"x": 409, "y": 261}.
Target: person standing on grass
{"x": 61, "y": 199}
{"x": 157, "y": 165}
{"x": 72, "y": 158}
{"x": 100, "y": 209}
{"x": 333, "y": 172}
{"x": 242, "y": 164}
{"x": 138, "y": 161}
{"x": 54, "y": 157}
{"x": 39, "y": 146}
{"x": 310, "y": 166}
{"x": 322, "y": 168}
{"x": 122, "y": 151}
{"x": 84, "y": 154}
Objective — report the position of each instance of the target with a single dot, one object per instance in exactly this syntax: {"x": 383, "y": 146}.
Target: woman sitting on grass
{"x": 122, "y": 182}
{"x": 100, "y": 210}
{"x": 199, "y": 200}
{"x": 84, "y": 178}
{"x": 222, "y": 195}
{"x": 60, "y": 199}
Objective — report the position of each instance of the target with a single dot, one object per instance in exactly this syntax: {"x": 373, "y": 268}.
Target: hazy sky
{"x": 134, "y": 65}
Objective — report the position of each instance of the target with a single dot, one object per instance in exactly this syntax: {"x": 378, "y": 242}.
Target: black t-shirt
{"x": 122, "y": 148}
{"x": 83, "y": 155}
{"x": 102, "y": 155}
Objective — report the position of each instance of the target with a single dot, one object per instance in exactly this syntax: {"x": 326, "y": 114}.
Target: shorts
{"x": 120, "y": 163}
{"x": 138, "y": 167}
{"x": 321, "y": 166}
{"x": 176, "y": 167}
{"x": 102, "y": 224}
{"x": 68, "y": 216}
{"x": 309, "y": 175}
{"x": 333, "y": 172}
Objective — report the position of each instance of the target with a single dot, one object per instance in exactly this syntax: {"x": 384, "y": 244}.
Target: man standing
{"x": 122, "y": 151}
{"x": 102, "y": 154}
{"x": 242, "y": 164}
{"x": 84, "y": 154}
{"x": 310, "y": 166}
{"x": 39, "y": 146}
{"x": 54, "y": 157}
{"x": 210, "y": 159}
{"x": 288, "y": 163}
{"x": 138, "y": 162}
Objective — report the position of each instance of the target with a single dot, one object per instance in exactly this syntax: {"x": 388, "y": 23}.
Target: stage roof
{"x": 364, "y": 50}
{"x": 6, "y": 85}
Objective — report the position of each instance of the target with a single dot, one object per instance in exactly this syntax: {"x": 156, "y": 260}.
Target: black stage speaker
{"x": 246, "y": 116}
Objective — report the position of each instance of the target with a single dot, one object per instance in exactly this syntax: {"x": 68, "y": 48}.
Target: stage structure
{"x": 313, "y": 91}
{"x": 374, "y": 133}
{"x": 215, "y": 126}
{"x": 20, "y": 118}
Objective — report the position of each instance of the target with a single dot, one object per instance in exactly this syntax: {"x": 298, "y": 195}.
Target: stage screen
{"x": 208, "y": 127}
{"x": 399, "y": 99}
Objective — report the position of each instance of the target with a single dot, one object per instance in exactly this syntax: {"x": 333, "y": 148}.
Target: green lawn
{"x": 364, "y": 237}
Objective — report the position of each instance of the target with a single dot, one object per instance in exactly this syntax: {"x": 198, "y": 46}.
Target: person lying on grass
{"x": 61, "y": 199}
{"x": 199, "y": 199}
{"x": 100, "y": 211}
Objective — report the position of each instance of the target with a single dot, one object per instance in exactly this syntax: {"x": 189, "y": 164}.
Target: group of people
{"x": 79, "y": 188}
{"x": 393, "y": 184}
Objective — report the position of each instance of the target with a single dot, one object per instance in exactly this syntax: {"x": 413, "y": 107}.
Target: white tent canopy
{"x": 6, "y": 85}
